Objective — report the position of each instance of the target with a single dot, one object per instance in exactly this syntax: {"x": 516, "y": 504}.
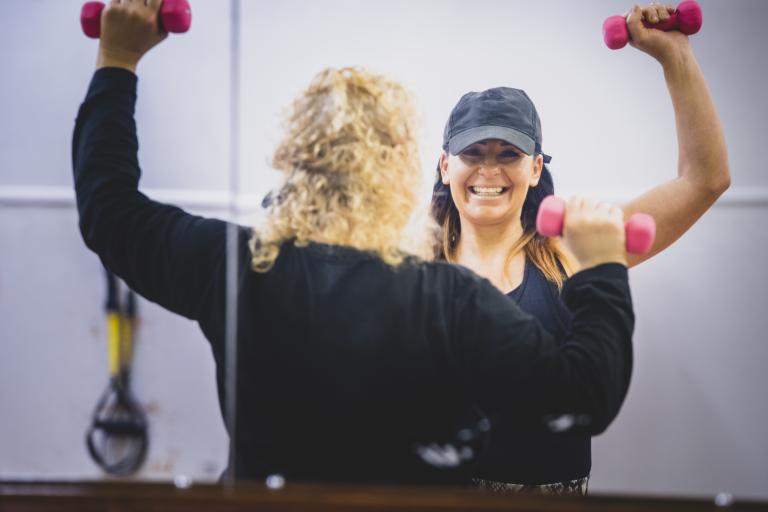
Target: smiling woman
{"x": 491, "y": 178}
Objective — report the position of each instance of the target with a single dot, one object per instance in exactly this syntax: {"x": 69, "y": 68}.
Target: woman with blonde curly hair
{"x": 352, "y": 172}
{"x": 357, "y": 360}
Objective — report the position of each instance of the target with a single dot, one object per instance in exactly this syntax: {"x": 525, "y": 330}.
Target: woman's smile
{"x": 485, "y": 192}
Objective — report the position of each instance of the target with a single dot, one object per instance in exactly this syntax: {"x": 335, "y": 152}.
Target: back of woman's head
{"x": 352, "y": 172}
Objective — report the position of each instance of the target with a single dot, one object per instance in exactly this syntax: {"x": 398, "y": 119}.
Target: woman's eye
{"x": 508, "y": 155}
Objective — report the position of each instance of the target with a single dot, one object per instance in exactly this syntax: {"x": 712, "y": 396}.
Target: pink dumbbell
{"x": 687, "y": 19}
{"x": 175, "y": 16}
{"x": 640, "y": 229}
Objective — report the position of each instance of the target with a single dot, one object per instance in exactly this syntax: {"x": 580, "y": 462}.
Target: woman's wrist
{"x": 111, "y": 59}
{"x": 621, "y": 259}
{"x": 677, "y": 62}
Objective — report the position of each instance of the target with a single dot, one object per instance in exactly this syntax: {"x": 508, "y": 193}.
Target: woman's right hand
{"x": 129, "y": 29}
{"x": 666, "y": 47}
{"x": 594, "y": 232}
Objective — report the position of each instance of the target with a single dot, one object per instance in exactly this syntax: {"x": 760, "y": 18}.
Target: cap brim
{"x": 460, "y": 141}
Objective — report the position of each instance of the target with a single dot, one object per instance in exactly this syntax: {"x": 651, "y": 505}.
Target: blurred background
{"x": 208, "y": 114}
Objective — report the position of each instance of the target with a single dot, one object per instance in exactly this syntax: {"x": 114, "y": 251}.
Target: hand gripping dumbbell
{"x": 640, "y": 229}
{"x": 175, "y": 16}
{"x": 687, "y": 19}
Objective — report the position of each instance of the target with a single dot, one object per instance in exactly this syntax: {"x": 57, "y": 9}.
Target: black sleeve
{"x": 167, "y": 255}
{"x": 514, "y": 364}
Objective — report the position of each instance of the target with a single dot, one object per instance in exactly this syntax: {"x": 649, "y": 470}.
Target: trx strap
{"x": 117, "y": 438}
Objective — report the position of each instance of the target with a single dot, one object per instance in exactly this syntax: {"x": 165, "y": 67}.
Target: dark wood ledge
{"x": 150, "y": 497}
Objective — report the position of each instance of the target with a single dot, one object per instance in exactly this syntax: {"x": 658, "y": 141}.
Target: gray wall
{"x": 52, "y": 330}
{"x": 695, "y": 417}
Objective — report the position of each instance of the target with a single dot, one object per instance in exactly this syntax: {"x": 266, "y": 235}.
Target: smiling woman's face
{"x": 489, "y": 181}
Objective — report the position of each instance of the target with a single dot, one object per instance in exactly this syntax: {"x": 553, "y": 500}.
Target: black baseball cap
{"x": 500, "y": 113}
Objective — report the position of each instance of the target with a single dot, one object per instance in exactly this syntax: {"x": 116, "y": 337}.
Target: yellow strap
{"x": 113, "y": 337}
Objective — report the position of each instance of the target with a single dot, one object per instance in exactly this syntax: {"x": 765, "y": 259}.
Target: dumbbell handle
{"x": 175, "y": 16}
{"x": 687, "y": 18}
{"x": 640, "y": 229}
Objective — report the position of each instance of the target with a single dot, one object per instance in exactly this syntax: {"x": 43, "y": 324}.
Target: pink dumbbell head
{"x": 640, "y": 229}
{"x": 175, "y": 16}
{"x": 687, "y": 18}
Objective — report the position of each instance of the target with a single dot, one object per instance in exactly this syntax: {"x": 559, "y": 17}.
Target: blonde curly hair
{"x": 352, "y": 171}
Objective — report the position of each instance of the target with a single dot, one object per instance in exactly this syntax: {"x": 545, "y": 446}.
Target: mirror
{"x": 693, "y": 421}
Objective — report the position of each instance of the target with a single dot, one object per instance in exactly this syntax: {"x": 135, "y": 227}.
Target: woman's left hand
{"x": 665, "y": 47}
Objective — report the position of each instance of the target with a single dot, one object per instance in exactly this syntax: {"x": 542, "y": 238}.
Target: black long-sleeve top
{"x": 347, "y": 368}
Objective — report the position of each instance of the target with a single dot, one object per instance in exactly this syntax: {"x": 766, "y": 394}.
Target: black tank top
{"x": 531, "y": 453}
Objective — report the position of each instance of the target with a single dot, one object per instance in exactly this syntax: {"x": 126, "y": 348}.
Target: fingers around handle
{"x": 175, "y": 16}
{"x": 687, "y": 18}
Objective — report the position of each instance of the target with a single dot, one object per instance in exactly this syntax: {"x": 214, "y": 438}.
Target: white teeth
{"x": 487, "y": 191}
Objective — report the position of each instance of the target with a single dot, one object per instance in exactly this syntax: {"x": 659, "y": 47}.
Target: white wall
{"x": 52, "y": 330}
{"x": 694, "y": 419}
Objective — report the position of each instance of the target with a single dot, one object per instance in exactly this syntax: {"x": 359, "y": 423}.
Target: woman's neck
{"x": 484, "y": 249}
